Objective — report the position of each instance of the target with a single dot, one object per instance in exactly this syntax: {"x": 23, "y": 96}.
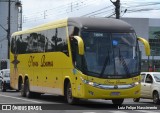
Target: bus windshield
{"x": 111, "y": 55}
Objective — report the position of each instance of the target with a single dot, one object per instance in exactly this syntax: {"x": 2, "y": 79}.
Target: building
{"x": 149, "y": 29}
{"x": 15, "y": 23}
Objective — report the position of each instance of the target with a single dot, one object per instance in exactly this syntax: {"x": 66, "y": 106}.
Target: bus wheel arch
{"x": 68, "y": 92}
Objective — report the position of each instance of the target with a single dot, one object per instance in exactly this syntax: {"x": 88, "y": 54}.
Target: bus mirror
{"x": 146, "y": 45}
{"x": 80, "y": 45}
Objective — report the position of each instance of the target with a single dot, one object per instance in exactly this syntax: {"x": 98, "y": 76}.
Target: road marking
{"x": 118, "y": 112}
{"x": 89, "y": 112}
{"x": 147, "y": 111}
{"x": 20, "y": 98}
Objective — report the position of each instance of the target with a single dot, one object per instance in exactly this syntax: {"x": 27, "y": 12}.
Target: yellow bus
{"x": 78, "y": 58}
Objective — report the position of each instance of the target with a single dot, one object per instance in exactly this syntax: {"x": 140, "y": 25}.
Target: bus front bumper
{"x": 90, "y": 92}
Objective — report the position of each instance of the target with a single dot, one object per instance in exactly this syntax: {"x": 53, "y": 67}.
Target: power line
{"x": 49, "y": 14}
{"x": 75, "y": 4}
{"x": 74, "y": 7}
{"x": 98, "y": 10}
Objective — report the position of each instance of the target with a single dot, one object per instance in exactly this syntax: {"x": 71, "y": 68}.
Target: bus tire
{"x": 117, "y": 101}
{"x": 68, "y": 95}
{"x": 136, "y": 99}
{"x": 29, "y": 94}
{"x": 36, "y": 95}
{"x": 23, "y": 94}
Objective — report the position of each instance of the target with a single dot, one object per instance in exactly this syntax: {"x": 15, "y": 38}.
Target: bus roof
{"x": 107, "y": 24}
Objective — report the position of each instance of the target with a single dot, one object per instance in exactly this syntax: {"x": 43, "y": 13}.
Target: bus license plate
{"x": 115, "y": 93}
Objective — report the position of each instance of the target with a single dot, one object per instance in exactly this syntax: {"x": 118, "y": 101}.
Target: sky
{"x": 36, "y": 12}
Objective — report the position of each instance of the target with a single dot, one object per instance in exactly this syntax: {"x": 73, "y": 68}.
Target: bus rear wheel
{"x": 28, "y": 93}
{"x": 23, "y": 94}
{"x": 117, "y": 101}
{"x": 68, "y": 95}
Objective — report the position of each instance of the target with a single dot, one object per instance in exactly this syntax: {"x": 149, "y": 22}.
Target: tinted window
{"x": 44, "y": 41}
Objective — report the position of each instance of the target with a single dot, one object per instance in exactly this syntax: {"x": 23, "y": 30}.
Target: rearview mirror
{"x": 146, "y": 45}
{"x": 80, "y": 45}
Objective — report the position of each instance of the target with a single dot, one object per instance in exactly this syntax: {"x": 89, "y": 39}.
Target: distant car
{"x": 0, "y": 76}
{"x": 5, "y": 79}
{"x": 150, "y": 86}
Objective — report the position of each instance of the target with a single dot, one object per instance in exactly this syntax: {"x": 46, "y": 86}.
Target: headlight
{"x": 89, "y": 82}
{"x": 110, "y": 86}
{"x": 135, "y": 84}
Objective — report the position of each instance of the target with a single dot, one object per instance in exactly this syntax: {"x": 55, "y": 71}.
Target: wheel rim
{"x": 69, "y": 93}
{"x": 27, "y": 89}
{"x": 22, "y": 89}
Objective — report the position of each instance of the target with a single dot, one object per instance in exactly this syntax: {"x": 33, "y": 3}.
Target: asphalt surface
{"x": 56, "y": 104}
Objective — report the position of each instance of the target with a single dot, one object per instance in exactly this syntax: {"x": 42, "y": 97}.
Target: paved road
{"x": 58, "y": 105}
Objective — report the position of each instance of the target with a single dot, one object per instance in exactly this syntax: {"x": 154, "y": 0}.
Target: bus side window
{"x": 21, "y": 45}
{"x": 13, "y": 45}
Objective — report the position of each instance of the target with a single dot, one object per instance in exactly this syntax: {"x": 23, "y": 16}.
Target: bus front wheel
{"x": 136, "y": 99}
{"x": 117, "y": 101}
{"x": 68, "y": 95}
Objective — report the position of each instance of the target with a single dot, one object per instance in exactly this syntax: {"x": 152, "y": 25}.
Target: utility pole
{"x": 9, "y": 25}
{"x": 8, "y": 30}
{"x": 117, "y": 8}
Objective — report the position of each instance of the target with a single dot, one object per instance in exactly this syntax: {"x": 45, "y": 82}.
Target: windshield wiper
{"x": 123, "y": 62}
{"x": 105, "y": 63}
{"x": 92, "y": 72}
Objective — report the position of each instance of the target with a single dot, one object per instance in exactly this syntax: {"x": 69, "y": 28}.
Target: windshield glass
{"x": 157, "y": 77}
{"x": 111, "y": 55}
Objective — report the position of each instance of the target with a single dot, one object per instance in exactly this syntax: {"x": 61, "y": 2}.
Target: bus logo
{"x": 15, "y": 61}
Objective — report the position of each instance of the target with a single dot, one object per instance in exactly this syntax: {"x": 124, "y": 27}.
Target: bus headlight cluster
{"x": 109, "y": 86}
{"x": 89, "y": 82}
{"x": 135, "y": 84}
